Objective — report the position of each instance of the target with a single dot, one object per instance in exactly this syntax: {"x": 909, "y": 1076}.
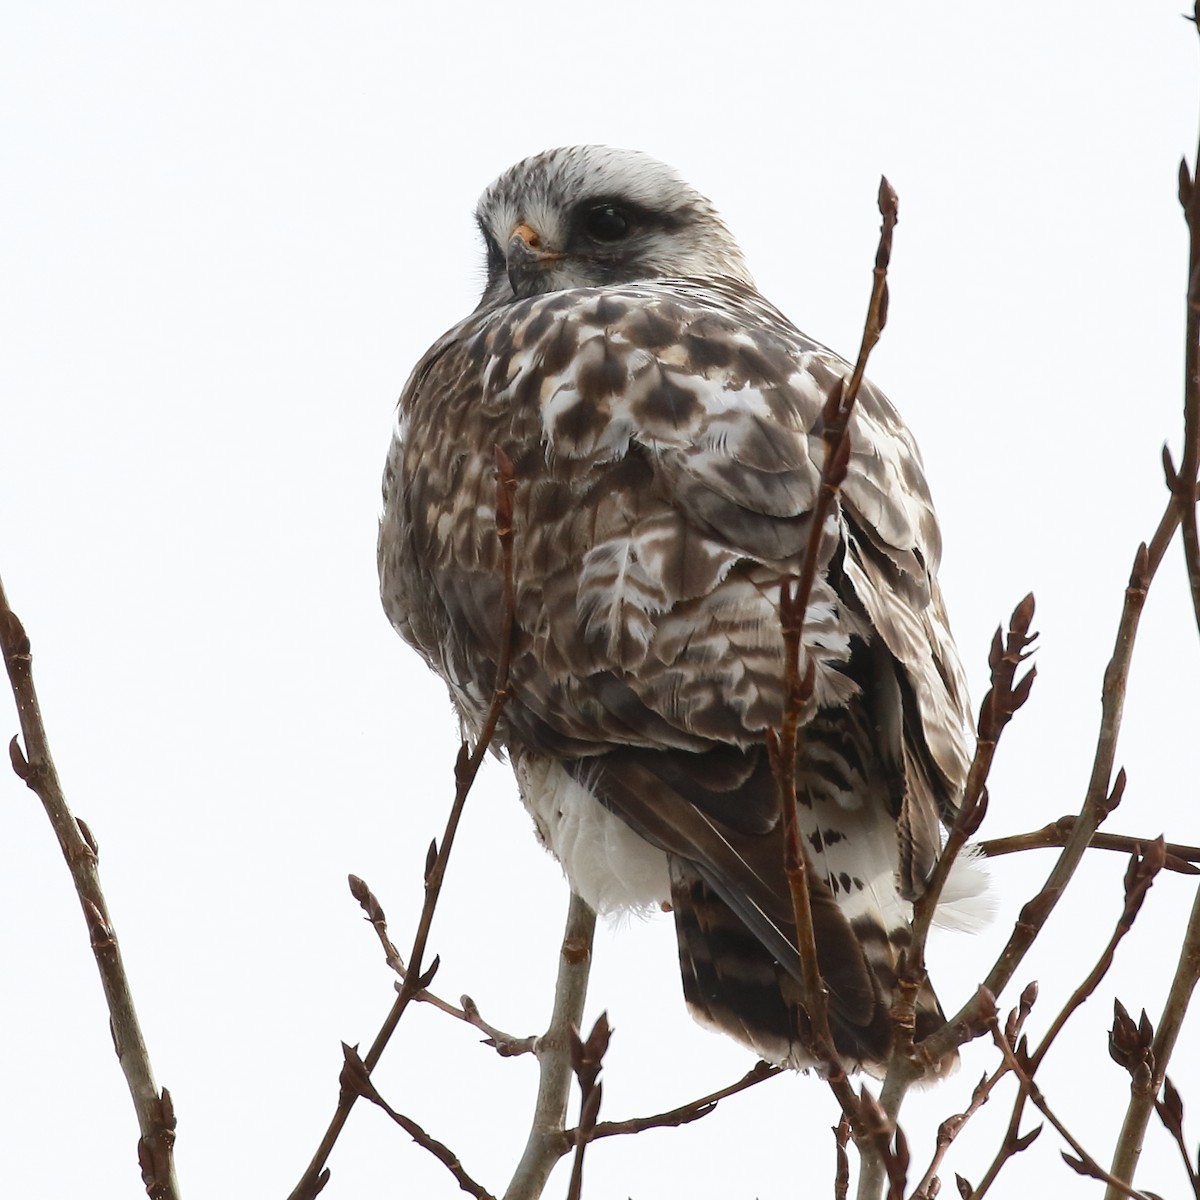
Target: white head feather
{"x": 598, "y": 216}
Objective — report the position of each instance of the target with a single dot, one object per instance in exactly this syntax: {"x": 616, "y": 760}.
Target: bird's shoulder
{"x": 705, "y": 376}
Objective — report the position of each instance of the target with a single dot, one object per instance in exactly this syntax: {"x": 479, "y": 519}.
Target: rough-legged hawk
{"x": 662, "y": 418}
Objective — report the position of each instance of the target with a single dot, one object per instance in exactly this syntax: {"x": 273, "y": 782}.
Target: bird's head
{"x": 587, "y": 216}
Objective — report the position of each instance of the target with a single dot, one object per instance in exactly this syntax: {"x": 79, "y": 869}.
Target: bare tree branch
{"x": 1138, "y": 879}
{"x": 685, "y": 1113}
{"x": 465, "y": 771}
{"x": 587, "y": 1059}
{"x": 951, "y": 1127}
{"x": 155, "y": 1113}
{"x": 547, "y": 1141}
{"x": 841, "y": 1175}
{"x": 1085, "y": 1164}
{"x": 798, "y": 687}
{"x": 356, "y": 1079}
{"x": 1179, "y": 857}
{"x": 1099, "y": 799}
{"x": 1183, "y": 486}
{"x": 1141, "y": 1101}
{"x": 1185, "y": 480}
{"x": 1014, "y": 1141}
{"x": 1004, "y": 698}
{"x": 1170, "y": 1111}
{"x": 872, "y": 1137}
{"x": 506, "y": 1045}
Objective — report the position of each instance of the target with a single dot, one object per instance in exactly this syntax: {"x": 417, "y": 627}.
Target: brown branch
{"x": 872, "y": 1137}
{"x": 357, "y": 1080}
{"x": 1005, "y": 696}
{"x": 1183, "y": 485}
{"x": 1084, "y": 1163}
{"x": 547, "y": 1141}
{"x": 1179, "y": 857}
{"x": 841, "y": 1174}
{"x": 155, "y": 1113}
{"x": 1014, "y": 1141}
{"x": 587, "y": 1059}
{"x": 506, "y": 1045}
{"x": 685, "y": 1113}
{"x": 1139, "y": 877}
{"x": 951, "y": 1127}
{"x": 1141, "y": 1100}
{"x": 881, "y": 1149}
{"x": 1170, "y": 1112}
{"x": 1185, "y": 480}
{"x": 1099, "y": 799}
{"x": 908, "y": 1062}
{"x": 465, "y": 770}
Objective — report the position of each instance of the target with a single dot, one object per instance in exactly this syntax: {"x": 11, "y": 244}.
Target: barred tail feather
{"x": 733, "y": 984}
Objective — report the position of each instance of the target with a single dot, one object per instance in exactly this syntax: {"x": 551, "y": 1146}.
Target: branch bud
{"x": 20, "y": 764}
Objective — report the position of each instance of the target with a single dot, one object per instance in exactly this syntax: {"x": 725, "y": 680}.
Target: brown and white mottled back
{"x": 663, "y": 421}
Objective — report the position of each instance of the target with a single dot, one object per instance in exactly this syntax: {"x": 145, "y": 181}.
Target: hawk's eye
{"x": 605, "y": 223}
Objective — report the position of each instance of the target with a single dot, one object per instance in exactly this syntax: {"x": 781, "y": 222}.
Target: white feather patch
{"x": 605, "y": 862}
{"x": 967, "y": 903}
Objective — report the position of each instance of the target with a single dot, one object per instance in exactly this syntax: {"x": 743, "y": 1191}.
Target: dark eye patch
{"x": 606, "y": 222}
{"x": 495, "y": 256}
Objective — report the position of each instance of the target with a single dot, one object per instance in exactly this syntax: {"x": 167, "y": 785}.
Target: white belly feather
{"x": 605, "y": 862}
{"x": 617, "y": 871}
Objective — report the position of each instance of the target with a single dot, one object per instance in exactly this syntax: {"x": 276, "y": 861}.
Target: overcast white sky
{"x": 229, "y": 231}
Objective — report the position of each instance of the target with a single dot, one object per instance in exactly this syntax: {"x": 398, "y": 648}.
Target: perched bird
{"x": 663, "y": 420}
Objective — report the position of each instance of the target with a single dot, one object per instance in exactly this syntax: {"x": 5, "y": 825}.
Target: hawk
{"x": 663, "y": 420}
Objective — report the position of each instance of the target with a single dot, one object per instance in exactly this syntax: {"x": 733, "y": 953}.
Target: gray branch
{"x": 547, "y": 1139}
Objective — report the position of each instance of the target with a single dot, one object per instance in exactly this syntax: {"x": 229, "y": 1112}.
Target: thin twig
{"x": 547, "y": 1141}
{"x": 951, "y": 1127}
{"x": 507, "y": 1045}
{"x": 587, "y": 1059}
{"x": 1084, "y": 1163}
{"x": 1179, "y": 857}
{"x": 841, "y": 1174}
{"x": 1014, "y": 1141}
{"x": 1183, "y": 485}
{"x": 155, "y": 1113}
{"x": 1170, "y": 1112}
{"x": 872, "y": 1137}
{"x": 685, "y": 1113}
{"x": 1139, "y": 877}
{"x": 1185, "y": 481}
{"x": 1141, "y": 1100}
{"x": 1098, "y": 802}
{"x": 908, "y": 1062}
{"x": 1005, "y": 696}
{"x": 465, "y": 770}
{"x": 949, "y": 1130}
{"x": 356, "y": 1079}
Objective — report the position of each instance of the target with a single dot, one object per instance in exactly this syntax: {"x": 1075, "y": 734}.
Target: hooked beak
{"x": 526, "y": 258}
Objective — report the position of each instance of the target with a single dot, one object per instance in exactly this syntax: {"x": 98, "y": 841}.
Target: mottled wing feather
{"x": 667, "y": 446}
{"x": 667, "y": 443}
